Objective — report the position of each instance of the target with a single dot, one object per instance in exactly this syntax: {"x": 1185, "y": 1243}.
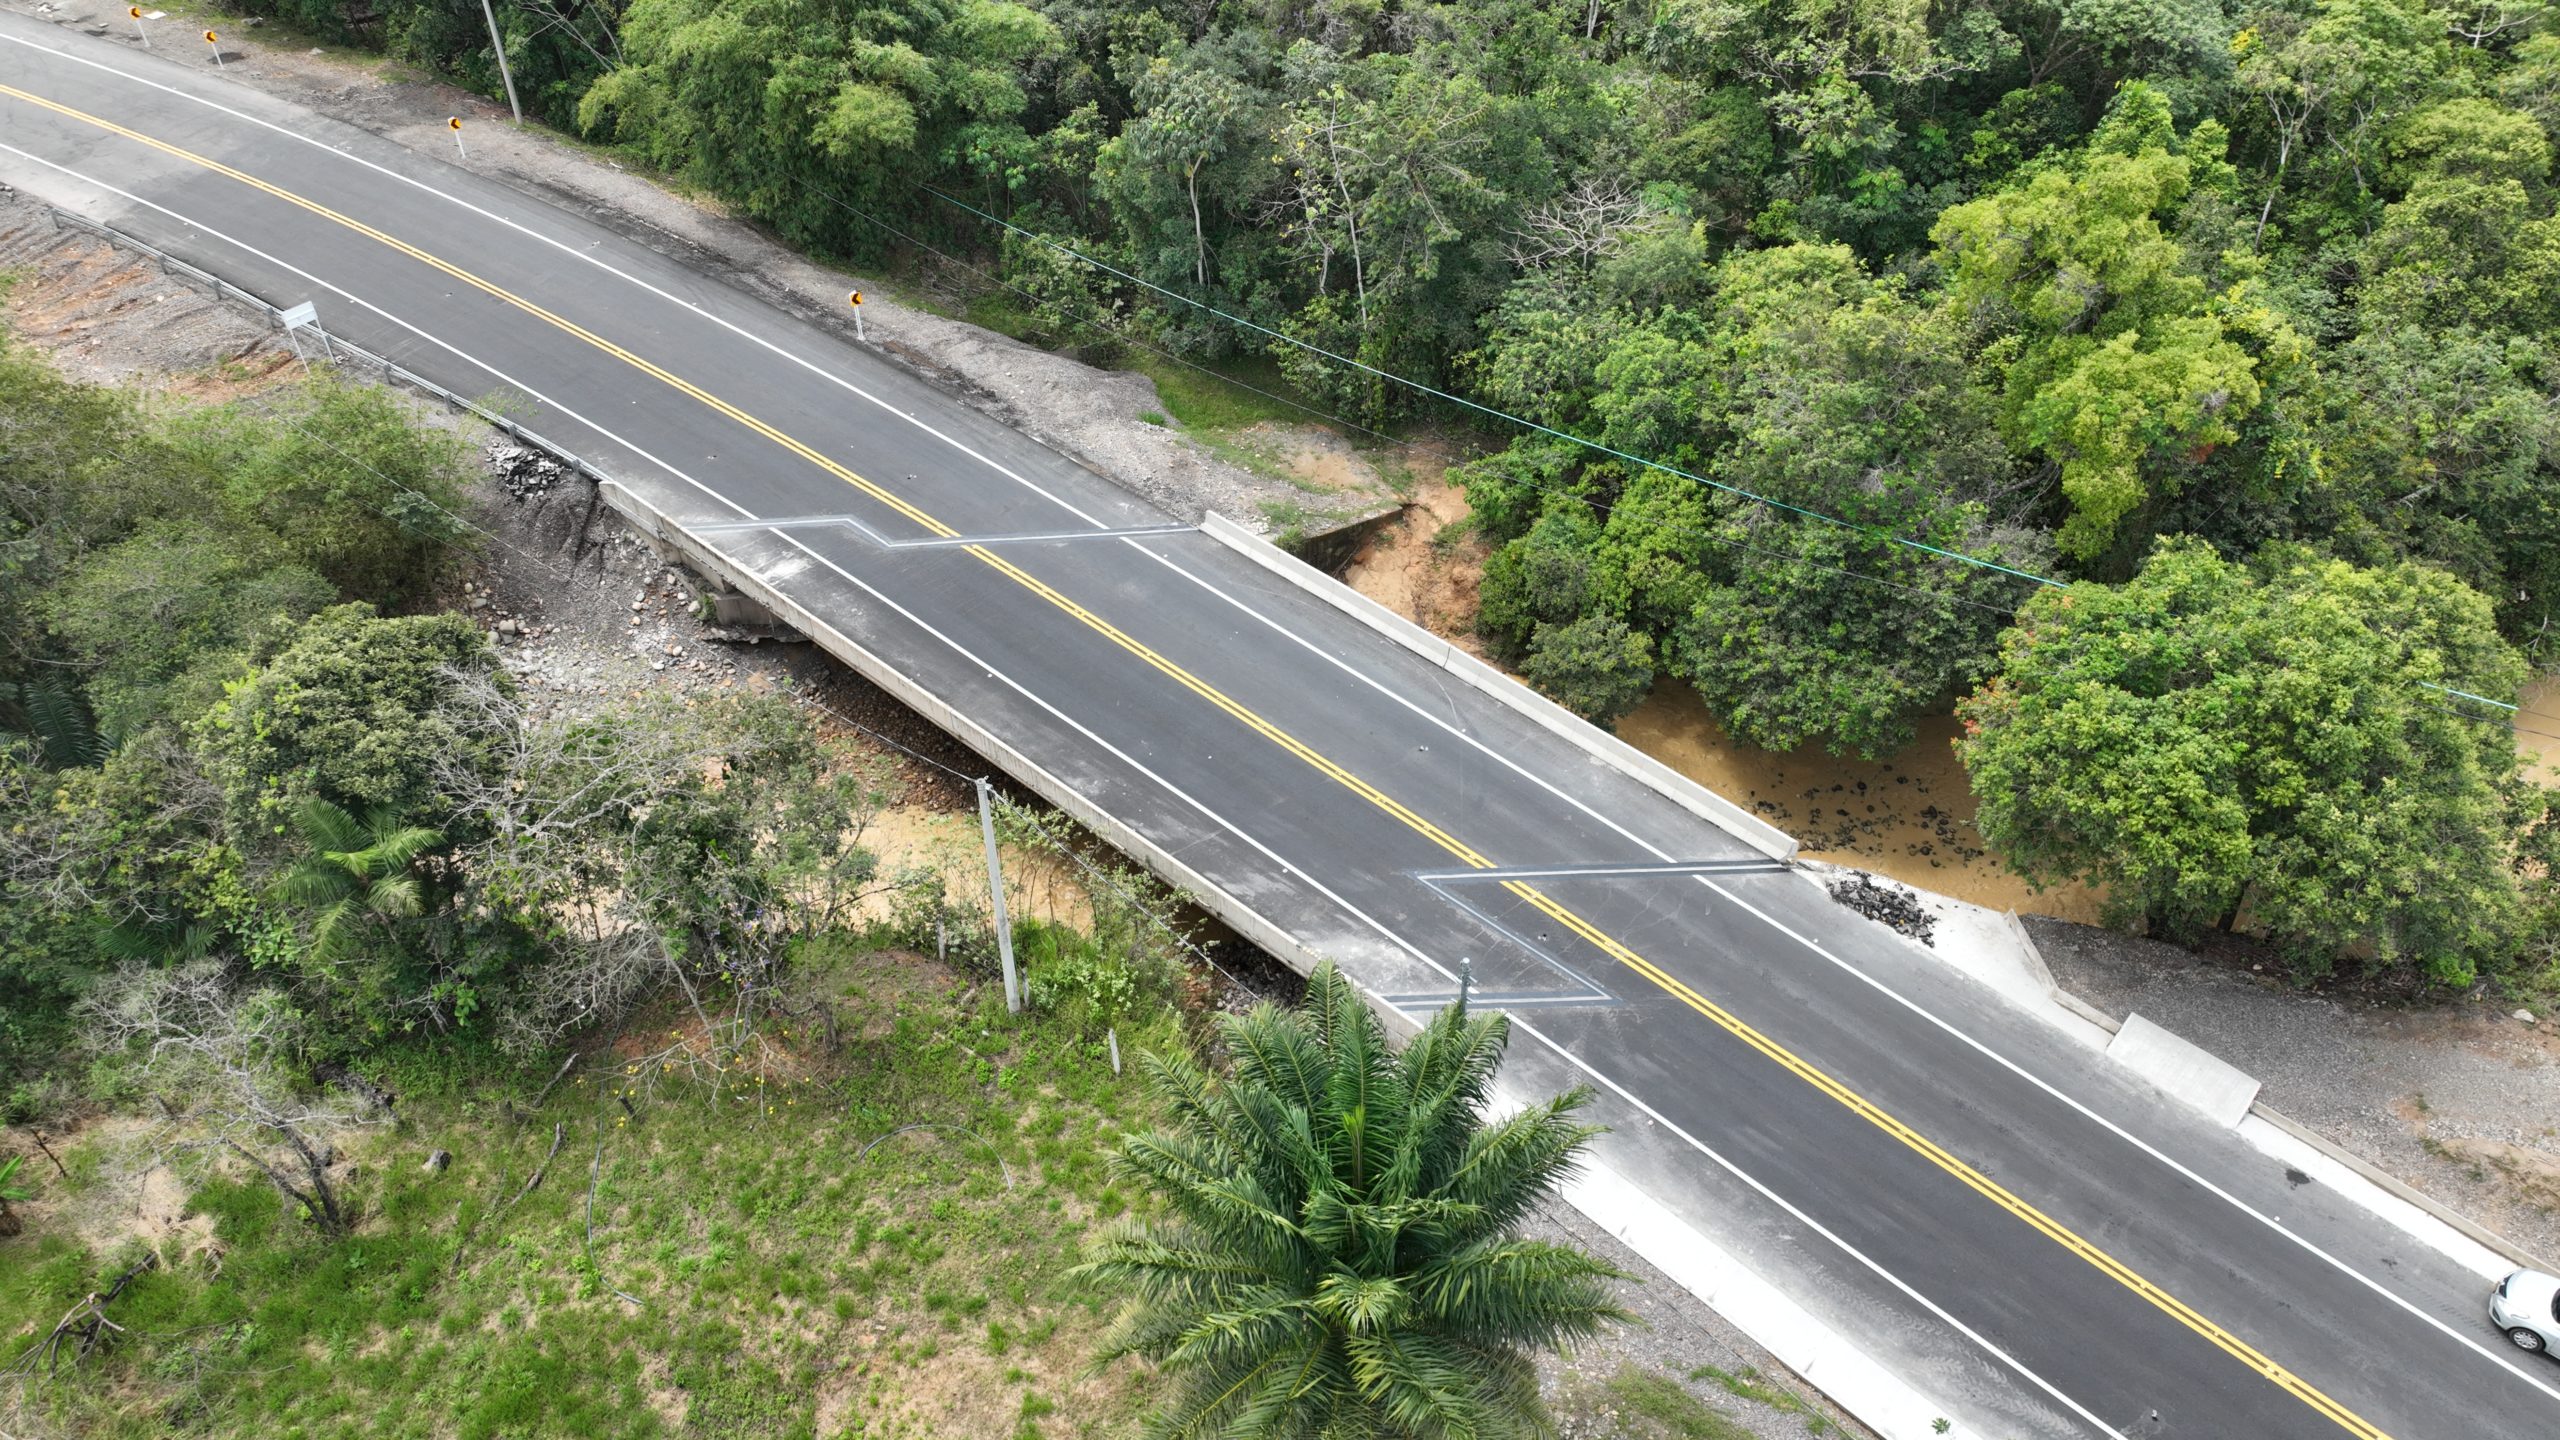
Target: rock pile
{"x": 1889, "y": 904}
{"x": 525, "y": 473}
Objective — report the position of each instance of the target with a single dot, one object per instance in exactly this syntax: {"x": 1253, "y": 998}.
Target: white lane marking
{"x": 2235, "y": 1202}
{"x": 1384, "y": 932}
{"x": 911, "y": 617}
{"x": 2485, "y": 1351}
{"x": 1914, "y": 1007}
{"x": 585, "y": 256}
{"x": 1817, "y": 1227}
{"x": 1009, "y": 473}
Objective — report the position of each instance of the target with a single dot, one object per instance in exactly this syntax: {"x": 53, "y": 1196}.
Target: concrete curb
{"x": 2064, "y": 998}
{"x": 2185, "y": 1071}
{"x": 671, "y": 535}
{"x": 2383, "y": 1180}
{"x": 1818, "y": 1354}
{"x": 2402, "y": 1191}
{"x": 1599, "y": 744}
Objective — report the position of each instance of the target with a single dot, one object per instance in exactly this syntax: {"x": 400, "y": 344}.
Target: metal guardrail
{"x": 337, "y": 350}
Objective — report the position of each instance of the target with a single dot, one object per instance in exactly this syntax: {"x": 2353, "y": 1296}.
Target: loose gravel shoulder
{"x": 2461, "y": 1101}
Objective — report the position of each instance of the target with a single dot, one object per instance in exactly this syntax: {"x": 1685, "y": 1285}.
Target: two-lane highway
{"x": 2032, "y": 1238}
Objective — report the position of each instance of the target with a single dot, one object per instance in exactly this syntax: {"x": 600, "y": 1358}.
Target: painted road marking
{"x": 993, "y": 745}
{"x": 1379, "y": 799}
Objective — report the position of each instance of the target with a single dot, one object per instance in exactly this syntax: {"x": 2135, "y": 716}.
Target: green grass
{"x": 1747, "y": 1383}
{"x": 1213, "y": 402}
{"x": 1655, "y": 1407}
{"x": 782, "y": 1282}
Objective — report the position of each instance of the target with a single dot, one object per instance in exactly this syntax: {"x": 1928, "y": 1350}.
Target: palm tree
{"x": 356, "y": 868}
{"x": 1335, "y": 1256}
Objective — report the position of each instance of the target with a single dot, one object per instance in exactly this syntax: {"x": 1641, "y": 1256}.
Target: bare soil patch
{"x": 1426, "y": 564}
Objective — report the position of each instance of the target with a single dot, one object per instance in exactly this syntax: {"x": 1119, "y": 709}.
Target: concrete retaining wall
{"x": 1602, "y": 746}
{"x": 672, "y": 537}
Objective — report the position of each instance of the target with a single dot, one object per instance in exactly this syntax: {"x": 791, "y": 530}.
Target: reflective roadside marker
{"x": 211, "y": 39}
{"x": 456, "y": 123}
{"x": 855, "y": 300}
{"x": 139, "y": 33}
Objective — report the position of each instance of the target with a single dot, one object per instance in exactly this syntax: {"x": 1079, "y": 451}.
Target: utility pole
{"x": 498, "y": 43}
{"x": 995, "y": 891}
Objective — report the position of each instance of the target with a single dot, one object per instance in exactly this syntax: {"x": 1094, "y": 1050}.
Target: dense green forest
{"x": 2166, "y": 388}
{"x": 1860, "y": 331}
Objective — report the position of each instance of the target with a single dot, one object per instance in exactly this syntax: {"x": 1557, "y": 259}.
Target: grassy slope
{"x": 787, "y": 1289}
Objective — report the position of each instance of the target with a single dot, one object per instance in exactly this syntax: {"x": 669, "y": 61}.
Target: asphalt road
{"x": 2028, "y": 1236}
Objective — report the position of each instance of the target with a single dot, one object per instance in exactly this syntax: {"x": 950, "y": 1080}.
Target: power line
{"x": 1118, "y": 331}
{"x": 1503, "y": 415}
{"x": 288, "y": 422}
{"x": 2467, "y": 695}
{"x": 1597, "y": 506}
{"x": 2493, "y": 720}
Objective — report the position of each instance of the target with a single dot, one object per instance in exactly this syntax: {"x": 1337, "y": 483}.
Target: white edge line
{"x": 1222, "y": 822}
{"x": 2119, "y": 1131}
{"x": 1818, "y": 1228}
{"x": 1079, "y": 513}
{"x": 574, "y": 252}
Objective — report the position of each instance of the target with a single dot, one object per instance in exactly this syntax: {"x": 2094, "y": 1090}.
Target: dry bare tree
{"x": 220, "y": 1063}
{"x": 1582, "y": 224}
{"x": 598, "y": 834}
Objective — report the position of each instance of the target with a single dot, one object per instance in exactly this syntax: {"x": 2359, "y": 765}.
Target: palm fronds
{"x": 1334, "y": 1254}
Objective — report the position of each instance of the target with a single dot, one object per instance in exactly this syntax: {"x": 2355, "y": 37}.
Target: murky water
{"x": 1909, "y": 815}
{"x": 2538, "y": 728}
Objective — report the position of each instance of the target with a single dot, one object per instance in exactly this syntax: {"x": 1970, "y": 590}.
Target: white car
{"x": 2527, "y": 1306}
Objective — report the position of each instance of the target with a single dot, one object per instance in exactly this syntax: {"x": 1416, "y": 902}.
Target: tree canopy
{"x": 2214, "y": 739}
{"x": 1337, "y": 1252}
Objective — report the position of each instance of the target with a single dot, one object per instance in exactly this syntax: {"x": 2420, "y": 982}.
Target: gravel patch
{"x": 1677, "y": 1336}
{"x": 2460, "y": 1101}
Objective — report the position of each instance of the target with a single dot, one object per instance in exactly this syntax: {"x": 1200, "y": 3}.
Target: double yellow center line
{"x": 1795, "y": 1065}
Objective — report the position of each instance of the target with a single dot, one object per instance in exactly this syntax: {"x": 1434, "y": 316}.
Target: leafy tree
{"x": 1594, "y": 665}
{"x": 1194, "y": 111}
{"x": 2327, "y": 85}
{"x": 221, "y": 1060}
{"x": 77, "y": 471}
{"x": 162, "y": 619}
{"x": 2214, "y": 742}
{"x": 2116, "y": 358}
{"x": 1540, "y": 578}
{"x": 2443, "y": 445}
{"x": 777, "y": 102}
{"x": 346, "y": 481}
{"x": 2469, "y": 243}
{"x": 1336, "y": 1254}
{"x": 1820, "y": 634}
{"x": 349, "y": 709}
{"x": 644, "y": 845}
